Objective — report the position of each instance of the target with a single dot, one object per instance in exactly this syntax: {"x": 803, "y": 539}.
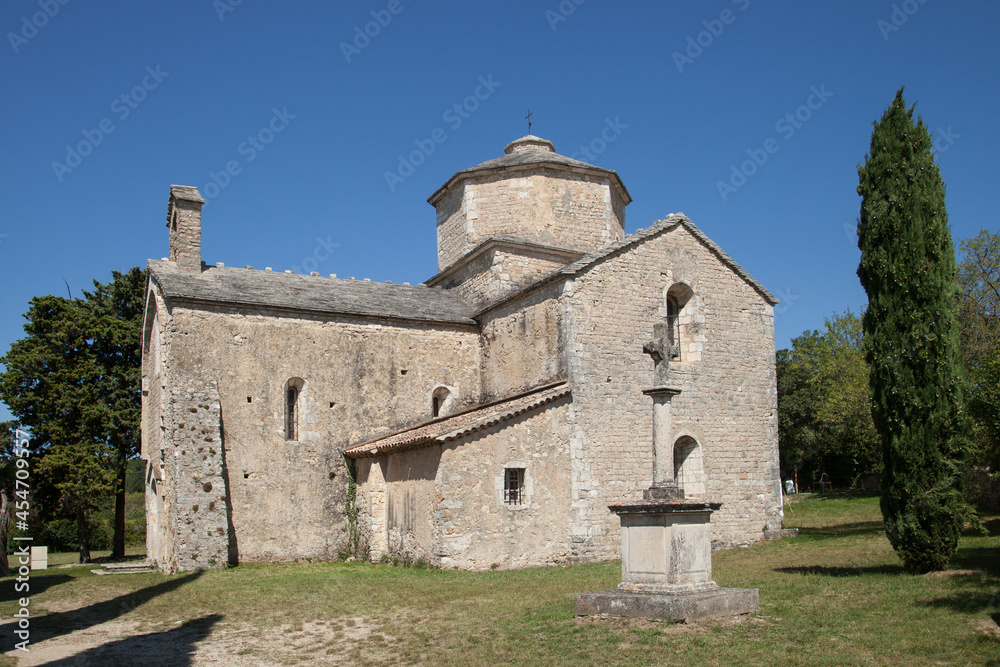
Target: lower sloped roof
{"x": 447, "y": 428}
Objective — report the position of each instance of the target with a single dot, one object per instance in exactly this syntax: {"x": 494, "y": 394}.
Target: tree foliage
{"x": 824, "y": 408}
{"x": 8, "y": 442}
{"x": 115, "y": 313}
{"x": 911, "y": 340}
{"x": 979, "y": 320}
{"x": 73, "y": 382}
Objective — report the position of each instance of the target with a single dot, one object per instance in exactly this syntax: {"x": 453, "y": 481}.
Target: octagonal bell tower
{"x": 532, "y": 194}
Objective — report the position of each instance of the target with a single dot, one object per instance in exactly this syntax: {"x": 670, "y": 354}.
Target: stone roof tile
{"x": 444, "y": 429}
{"x": 530, "y": 156}
{"x": 311, "y": 294}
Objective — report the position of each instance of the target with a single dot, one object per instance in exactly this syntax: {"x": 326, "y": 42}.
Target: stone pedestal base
{"x": 680, "y": 606}
{"x": 667, "y": 565}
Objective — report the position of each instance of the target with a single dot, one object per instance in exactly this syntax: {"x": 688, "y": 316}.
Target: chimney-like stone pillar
{"x": 184, "y": 223}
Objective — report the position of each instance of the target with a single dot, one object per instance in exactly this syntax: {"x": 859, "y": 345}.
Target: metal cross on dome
{"x": 528, "y": 118}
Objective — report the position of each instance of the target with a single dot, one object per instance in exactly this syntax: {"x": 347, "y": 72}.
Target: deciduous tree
{"x": 979, "y": 320}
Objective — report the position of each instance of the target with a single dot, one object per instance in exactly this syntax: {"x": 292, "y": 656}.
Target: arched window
{"x": 673, "y": 321}
{"x": 678, "y": 319}
{"x": 441, "y": 402}
{"x": 689, "y": 473}
{"x": 293, "y": 409}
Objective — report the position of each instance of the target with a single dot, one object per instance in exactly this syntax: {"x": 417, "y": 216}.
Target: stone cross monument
{"x": 666, "y": 538}
{"x": 662, "y": 351}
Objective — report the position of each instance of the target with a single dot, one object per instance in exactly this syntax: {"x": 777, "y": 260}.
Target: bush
{"x": 60, "y": 535}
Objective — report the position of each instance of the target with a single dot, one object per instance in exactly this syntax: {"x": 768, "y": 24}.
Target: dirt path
{"x": 203, "y": 641}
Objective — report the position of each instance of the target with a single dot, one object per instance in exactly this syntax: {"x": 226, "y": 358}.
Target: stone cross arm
{"x": 661, "y": 348}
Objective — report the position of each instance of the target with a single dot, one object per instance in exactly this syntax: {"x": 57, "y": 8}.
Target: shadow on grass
{"x": 36, "y": 584}
{"x": 991, "y": 524}
{"x": 842, "y": 571}
{"x": 977, "y": 558}
{"x": 173, "y": 647}
{"x": 121, "y": 559}
{"x": 65, "y": 622}
{"x": 843, "y": 530}
{"x": 969, "y": 600}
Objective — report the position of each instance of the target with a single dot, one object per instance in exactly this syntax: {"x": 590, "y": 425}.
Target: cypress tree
{"x": 911, "y": 340}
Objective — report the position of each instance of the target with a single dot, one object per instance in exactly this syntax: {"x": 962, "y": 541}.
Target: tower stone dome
{"x": 532, "y": 193}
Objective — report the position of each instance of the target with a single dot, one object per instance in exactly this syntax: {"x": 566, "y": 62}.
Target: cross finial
{"x": 528, "y": 118}
{"x": 662, "y": 349}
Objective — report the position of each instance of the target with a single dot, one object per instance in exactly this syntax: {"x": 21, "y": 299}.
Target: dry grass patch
{"x": 835, "y": 595}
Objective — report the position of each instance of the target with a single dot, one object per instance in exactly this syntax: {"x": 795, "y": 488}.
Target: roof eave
{"x": 610, "y": 174}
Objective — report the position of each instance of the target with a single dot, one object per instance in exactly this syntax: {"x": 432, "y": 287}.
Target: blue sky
{"x": 107, "y": 104}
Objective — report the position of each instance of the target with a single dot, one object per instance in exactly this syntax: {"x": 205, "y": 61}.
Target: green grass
{"x": 73, "y": 558}
{"x": 834, "y": 595}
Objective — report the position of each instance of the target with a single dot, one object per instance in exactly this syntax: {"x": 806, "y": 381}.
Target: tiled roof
{"x": 447, "y": 428}
{"x": 312, "y": 294}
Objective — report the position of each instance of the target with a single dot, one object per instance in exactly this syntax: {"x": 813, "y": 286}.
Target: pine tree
{"x": 74, "y": 382}
{"x": 115, "y": 332}
{"x": 911, "y": 340}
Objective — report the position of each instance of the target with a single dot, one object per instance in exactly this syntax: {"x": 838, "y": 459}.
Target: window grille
{"x": 513, "y": 486}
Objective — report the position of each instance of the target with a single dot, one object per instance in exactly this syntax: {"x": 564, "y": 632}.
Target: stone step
{"x": 124, "y": 568}
{"x": 144, "y": 570}
{"x": 138, "y": 565}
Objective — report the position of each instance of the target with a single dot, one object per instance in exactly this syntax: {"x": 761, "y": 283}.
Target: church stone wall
{"x": 200, "y": 514}
{"x": 361, "y": 379}
{"x": 728, "y": 401}
{"x": 473, "y": 528}
{"x": 159, "y": 498}
{"x": 521, "y": 344}
{"x": 410, "y": 492}
{"x": 451, "y": 234}
{"x": 498, "y": 272}
{"x": 445, "y": 503}
{"x": 186, "y": 499}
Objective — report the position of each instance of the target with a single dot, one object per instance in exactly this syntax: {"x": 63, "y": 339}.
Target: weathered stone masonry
{"x": 483, "y": 419}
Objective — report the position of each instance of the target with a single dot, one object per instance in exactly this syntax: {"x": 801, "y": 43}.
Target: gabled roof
{"x": 444, "y": 429}
{"x": 310, "y": 294}
{"x": 586, "y": 262}
{"x": 669, "y": 222}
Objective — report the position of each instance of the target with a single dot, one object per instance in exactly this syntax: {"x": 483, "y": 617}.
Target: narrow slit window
{"x": 513, "y": 486}
{"x": 291, "y": 412}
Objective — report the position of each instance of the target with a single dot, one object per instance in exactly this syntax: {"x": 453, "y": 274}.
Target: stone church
{"x": 483, "y": 418}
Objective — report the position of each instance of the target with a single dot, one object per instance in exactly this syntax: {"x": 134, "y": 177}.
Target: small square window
{"x": 513, "y": 486}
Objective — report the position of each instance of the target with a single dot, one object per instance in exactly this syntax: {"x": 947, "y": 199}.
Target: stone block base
{"x": 687, "y": 607}
{"x": 778, "y": 534}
